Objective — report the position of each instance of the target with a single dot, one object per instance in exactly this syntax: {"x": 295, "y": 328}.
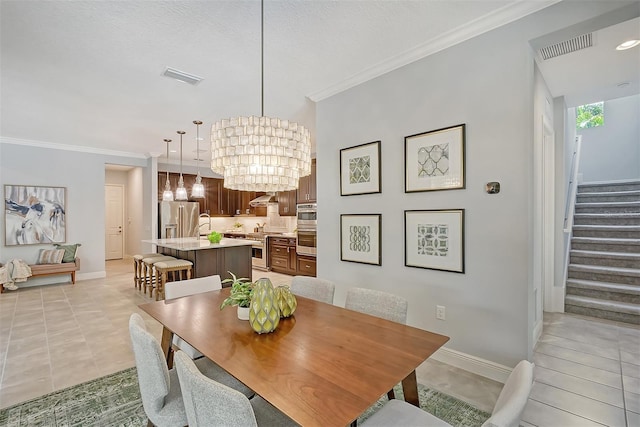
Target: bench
{"x": 38, "y": 270}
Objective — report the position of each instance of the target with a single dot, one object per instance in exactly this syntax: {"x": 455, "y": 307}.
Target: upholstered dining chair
{"x": 312, "y": 287}
{"x": 210, "y": 403}
{"x": 379, "y": 304}
{"x": 183, "y": 288}
{"x": 159, "y": 386}
{"x": 506, "y": 412}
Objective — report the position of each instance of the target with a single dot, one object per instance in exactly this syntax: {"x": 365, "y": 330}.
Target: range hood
{"x": 263, "y": 200}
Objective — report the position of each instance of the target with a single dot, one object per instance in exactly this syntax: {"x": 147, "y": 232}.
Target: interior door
{"x": 114, "y": 219}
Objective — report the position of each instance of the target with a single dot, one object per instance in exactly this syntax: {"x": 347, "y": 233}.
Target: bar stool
{"x": 137, "y": 268}
{"x": 149, "y": 275}
{"x": 163, "y": 268}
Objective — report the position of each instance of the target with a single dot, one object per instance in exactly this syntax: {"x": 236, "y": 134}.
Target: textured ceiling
{"x": 89, "y": 72}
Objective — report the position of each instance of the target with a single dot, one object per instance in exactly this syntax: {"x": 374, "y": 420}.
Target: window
{"x": 590, "y": 115}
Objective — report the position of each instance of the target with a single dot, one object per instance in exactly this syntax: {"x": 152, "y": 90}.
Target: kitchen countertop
{"x": 194, "y": 243}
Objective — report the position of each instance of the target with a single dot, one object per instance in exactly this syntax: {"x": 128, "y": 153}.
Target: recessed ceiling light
{"x": 628, "y": 44}
{"x": 173, "y": 151}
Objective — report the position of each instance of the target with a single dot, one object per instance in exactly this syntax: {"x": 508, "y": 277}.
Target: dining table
{"x": 323, "y": 366}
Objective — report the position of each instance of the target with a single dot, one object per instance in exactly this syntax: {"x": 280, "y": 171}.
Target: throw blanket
{"x": 15, "y": 271}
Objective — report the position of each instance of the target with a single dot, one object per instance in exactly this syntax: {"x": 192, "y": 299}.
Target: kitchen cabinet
{"x": 282, "y": 254}
{"x": 287, "y": 203}
{"x": 306, "y": 265}
{"x": 307, "y": 186}
{"x": 243, "y": 198}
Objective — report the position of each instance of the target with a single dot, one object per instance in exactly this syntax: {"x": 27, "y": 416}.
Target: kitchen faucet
{"x": 205, "y": 215}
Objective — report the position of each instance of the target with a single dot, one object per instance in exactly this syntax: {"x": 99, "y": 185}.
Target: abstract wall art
{"x": 434, "y": 160}
{"x": 360, "y": 239}
{"x": 360, "y": 171}
{"x": 434, "y": 239}
{"x": 34, "y": 215}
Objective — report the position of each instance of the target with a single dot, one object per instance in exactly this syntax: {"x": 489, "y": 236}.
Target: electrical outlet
{"x": 440, "y": 313}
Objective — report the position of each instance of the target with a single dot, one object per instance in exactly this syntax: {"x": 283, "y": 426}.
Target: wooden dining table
{"x": 323, "y": 366}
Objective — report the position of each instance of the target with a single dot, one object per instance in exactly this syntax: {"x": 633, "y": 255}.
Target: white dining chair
{"x": 159, "y": 386}
{"x": 377, "y": 303}
{"x": 209, "y": 403}
{"x": 313, "y": 287}
{"x": 183, "y": 288}
{"x": 506, "y": 412}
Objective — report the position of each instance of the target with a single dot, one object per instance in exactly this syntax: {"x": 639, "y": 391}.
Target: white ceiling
{"x": 88, "y": 73}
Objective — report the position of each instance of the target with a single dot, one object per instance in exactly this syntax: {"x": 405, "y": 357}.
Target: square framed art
{"x": 360, "y": 171}
{"x": 434, "y": 239}
{"x": 360, "y": 238}
{"x": 34, "y": 215}
{"x": 434, "y": 160}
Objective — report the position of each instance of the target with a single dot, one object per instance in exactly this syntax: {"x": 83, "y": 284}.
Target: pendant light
{"x": 197, "y": 191}
{"x": 260, "y": 153}
{"x": 167, "y": 194}
{"x": 181, "y": 192}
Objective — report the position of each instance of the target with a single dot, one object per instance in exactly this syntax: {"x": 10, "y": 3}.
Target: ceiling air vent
{"x": 192, "y": 79}
{"x": 577, "y": 43}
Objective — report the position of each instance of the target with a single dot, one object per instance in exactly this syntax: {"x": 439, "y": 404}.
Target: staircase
{"x": 604, "y": 265}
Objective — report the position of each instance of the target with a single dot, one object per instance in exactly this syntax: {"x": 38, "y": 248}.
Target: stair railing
{"x": 570, "y": 208}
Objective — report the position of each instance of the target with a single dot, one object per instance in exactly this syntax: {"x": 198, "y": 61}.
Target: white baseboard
{"x": 89, "y": 276}
{"x": 537, "y": 331}
{"x": 473, "y": 364}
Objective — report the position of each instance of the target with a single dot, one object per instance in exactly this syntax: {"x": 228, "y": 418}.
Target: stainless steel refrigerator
{"x": 178, "y": 219}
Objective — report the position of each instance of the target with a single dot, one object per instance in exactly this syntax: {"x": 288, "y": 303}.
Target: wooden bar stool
{"x": 137, "y": 267}
{"x": 149, "y": 275}
{"x": 163, "y": 268}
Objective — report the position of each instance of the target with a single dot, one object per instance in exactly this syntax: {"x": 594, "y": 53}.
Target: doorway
{"x": 114, "y": 220}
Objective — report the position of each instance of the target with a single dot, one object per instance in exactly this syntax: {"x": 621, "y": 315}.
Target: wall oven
{"x": 306, "y": 244}
{"x": 307, "y": 229}
{"x": 307, "y": 215}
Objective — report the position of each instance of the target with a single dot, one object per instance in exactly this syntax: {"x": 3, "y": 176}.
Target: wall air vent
{"x": 182, "y": 76}
{"x": 577, "y": 43}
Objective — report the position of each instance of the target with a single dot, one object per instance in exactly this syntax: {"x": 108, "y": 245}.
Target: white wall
{"x": 487, "y": 83}
{"x": 83, "y": 175}
{"x": 612, "y": 152}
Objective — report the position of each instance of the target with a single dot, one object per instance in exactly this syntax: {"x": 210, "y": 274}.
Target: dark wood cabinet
{"x": 282, "y": 254}
{"x": 307, "y": 186}
{"x": 287, "y": 203}
{"x": 306, "y": 265}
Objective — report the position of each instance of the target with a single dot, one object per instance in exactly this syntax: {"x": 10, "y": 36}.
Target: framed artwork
{"x": 34, "y": 215}
{"x": 360, "y": 171}
{"x": 360, "y": 239}
{"x": 434, "y": 160}
{"x": 434, "y": 239}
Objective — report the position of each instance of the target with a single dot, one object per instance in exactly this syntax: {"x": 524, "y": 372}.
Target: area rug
{"x": 114, "y": 400}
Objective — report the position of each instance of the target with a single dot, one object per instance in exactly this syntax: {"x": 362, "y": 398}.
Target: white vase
{"x": 243, "y": 313}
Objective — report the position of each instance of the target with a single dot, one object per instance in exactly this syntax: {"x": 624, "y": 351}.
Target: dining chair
{"x": 159, "y": 386}
{"x": 183, "y": 288}
{"x": 379, "y": 304}
{"x": 506, "y": 412}
{"x": 312, "y": 287}
{"x": 210, "y": 403}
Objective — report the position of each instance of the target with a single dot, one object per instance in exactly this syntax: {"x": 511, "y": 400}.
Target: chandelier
{"x": 260, "y": 153}
{"x": 197, "y": 191}
{"x": 167, "y": 194}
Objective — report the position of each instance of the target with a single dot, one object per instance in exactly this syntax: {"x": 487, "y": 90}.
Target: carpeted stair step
{"x": 612, "y": 310}
{"x": 609, "y": 186}
{"x": 612, "y": 231}
{"x": 607, "y": 219}
{"x": 613, "y": 196}
{"x": 605, "y": 245}
{"x": 608, "y": 207}
{"x": 607, "y": 259}
{"x": 604, "y": 290}
{"x": 628, "y": 276}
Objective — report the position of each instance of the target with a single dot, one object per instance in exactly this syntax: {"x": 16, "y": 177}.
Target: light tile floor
{"x": 55, "y": 336}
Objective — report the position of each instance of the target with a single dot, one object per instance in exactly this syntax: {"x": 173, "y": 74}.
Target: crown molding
{"x": 502, "y": 16}
{"x": 67, "y": 147}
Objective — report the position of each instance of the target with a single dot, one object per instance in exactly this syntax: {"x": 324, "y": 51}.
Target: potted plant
{"x": 240, "y": 295}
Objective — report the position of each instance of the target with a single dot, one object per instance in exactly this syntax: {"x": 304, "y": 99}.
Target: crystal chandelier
{"x": 197, "y": 191}
{"x": 167, "y": 194}
{"x": 181, "y": 192}
{"x": 260, "y": 153}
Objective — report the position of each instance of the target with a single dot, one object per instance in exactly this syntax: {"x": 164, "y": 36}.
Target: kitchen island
{"x": 209, "y": 258}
